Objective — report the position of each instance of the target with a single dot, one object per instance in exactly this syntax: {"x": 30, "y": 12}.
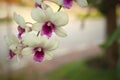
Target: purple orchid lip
{"x": 47, "y": 29}
{"x": 67, "y": 3}
{"x": 11, "y": 54}
{"x": 21, "y": 31}
{"x": 38, "y": 54}
{"x": 37, "y": 5}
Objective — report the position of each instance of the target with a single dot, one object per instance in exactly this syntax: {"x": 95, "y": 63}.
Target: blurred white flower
{"x": 40, "y": 4}
{"x": 22, "y": 27}
{"x": 68, "y": 3}
{"x": 41, "y": 47}
{"x": 15, "y": 45}
{"x": 48, "y": 21}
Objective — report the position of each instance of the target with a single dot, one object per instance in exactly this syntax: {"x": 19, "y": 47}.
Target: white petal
{"x": 13, "y": 47}
{"x": 37, "y": 26}
{"x": 51, "y": 45}
{"x": 38, "y": 1}
{"x": 82, "y": 3}
{"x": 48, "y": 55}
{"x": 27, "y": 51}
{"x": 11, "y": 39}
{"x": 49, "y": 12}
{"x": 33, "y": 40}
{"x": 43, "y": 41}
{"x": 19, "y": 20}
{"x": 44, "y": 6}
{"x": 18, "y": 58}
{"x": 38, "y": 15}
{"x": 60, "y": 32}
{"x": 60, "y": 2}
{"x": 30, "y": 39}
{"x": 59, "y": 19}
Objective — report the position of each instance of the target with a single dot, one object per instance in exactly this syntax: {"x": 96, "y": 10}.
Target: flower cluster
{"x": 37, "y": 38}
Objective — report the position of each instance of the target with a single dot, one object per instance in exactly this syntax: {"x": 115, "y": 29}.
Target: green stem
{"x": 38, "y": 33}
{"x": 60, "y": 7}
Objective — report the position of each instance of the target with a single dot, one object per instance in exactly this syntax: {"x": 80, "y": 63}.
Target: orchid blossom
{"x": 36, "y": 39}
{"x": 15, "y": 46}
{"x": 40, "y": 4}
{"x": 49, "y": 22}
{"x": 22, "y": 27}
{"x": 40, "y": 47}
{"x": 68, "y": 3}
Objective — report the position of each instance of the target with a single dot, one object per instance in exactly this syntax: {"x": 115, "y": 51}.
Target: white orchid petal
{"x": 82, "y": 3}
{"x": 48, "y": 55}
{"x": 30, "y": 39}
{"x": 19, "y": 20}
{"x": 60, "y": 32}
{"x": 52, "y": 45}
{"x": 37, "y": 26}
{"x": 43, "y": 41}
{"x": 59, "y": 2}
{"x": 18, "y": 58}
{"x": 33, "y": 40}
{"x": 38, "y": 15}
{"x": 44, "y": 6}
{"x": 49, "y": 12}
{"x": 13, "y": 47}
{"x": 11, "y": 39}
{"x": 38, "y": 1}
{"x": 27, "y": 51}
{"x": 59, "y": 19}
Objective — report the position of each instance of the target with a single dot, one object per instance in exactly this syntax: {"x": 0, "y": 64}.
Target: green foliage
{"x": 78, "y": 70}
{"x": 81, "y": 71}
{"x": 98, "y": 4}
{"x": 118, "y": 12}
{"x": 92, "y": 2}
{"x": 93, "y": 14}
{"x": 113, "y": 37}
{"x": 5, "y": 20}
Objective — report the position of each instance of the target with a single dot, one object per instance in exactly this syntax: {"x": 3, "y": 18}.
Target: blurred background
{"x": 89, "y": 52}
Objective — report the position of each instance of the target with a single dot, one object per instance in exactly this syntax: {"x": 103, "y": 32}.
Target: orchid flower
{"x": 22, "y": 27}
{"x": 15, "y": 45}
{"x": 49, "y": 22}
{"x": 68, "y": 3}
{"x": 40, "y": 47}
{"x": 40, "y": 4}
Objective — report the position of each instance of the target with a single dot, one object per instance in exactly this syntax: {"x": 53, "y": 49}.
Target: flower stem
{"x": 60, "y": 7}
{"x": 38, "y": 33}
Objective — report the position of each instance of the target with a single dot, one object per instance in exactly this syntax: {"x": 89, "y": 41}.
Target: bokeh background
{"x": 89, "y": 52}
